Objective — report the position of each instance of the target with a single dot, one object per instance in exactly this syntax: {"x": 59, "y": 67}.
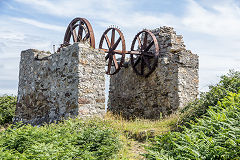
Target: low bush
{"x": 71, "y": 139}
{"x": 7, "y": 108}
{"x": 228, "y": 83}
{"x": 215, "y": 136}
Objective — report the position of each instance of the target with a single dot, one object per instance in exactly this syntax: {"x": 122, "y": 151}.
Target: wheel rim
{"x": 147, "y": 51}
{"x": 79, "y": 29}
{"x": 111, "y": 50}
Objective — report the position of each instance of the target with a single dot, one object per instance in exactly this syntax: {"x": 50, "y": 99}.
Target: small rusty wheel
{"x": 113, "y": 50}
{"x": 144, "y": 54}
{"x": 78, "y": 30}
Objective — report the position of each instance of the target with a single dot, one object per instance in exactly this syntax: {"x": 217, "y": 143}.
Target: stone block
{"x": 60, "y": 85}
{"x": 170, "y": 87}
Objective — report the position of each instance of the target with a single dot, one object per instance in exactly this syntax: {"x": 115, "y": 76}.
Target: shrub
{"x": 228, "y": 83}
{"x": 7, "y": 108}
{"x": 215, "y": 136}
{"x": 72, "y": 139}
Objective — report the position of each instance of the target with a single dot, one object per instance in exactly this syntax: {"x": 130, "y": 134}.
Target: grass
{"x": 140, "y": 125}
{"x": 216, "y": 135}
{"x": 7, "y": 108}
{"x": 132, "y": 148}
{"x": 71, "y": 139}
{"x": 210, "y": 126}
{"x": 134, "y": 134}
{"x": 2, "y": 128}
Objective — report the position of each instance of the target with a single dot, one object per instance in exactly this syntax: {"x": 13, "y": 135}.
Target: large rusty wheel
{"x": 115, "y": 53}
{"x": 144, "y": 53}
{"x": 78, "y": 30}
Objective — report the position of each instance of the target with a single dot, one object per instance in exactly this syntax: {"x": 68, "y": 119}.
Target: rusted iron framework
{"x": 143, "y": 54}
{"x": 113, "y": 65}
{"x": 79, "y": 29}
{"x": 147, "y": 52}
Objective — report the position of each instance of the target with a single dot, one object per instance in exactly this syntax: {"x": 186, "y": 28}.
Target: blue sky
{"x": 210, "y": 28}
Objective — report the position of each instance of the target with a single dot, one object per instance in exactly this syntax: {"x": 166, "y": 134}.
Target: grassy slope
{"x": 215, "y": 136}
{"x": 132, "y": 146}
{"x": 72, "y": 139}
{"x": 212, "y": 126}
{"x": 134, "y": 134}
{"x": 7, "y": 109}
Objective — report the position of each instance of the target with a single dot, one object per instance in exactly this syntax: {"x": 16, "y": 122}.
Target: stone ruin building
{"x": 71, "y": 83}
{"x": 170, "y": 87}
{"x": 55, "y": 86}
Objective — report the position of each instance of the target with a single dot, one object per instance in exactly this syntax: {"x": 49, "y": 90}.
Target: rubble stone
{"x": 170, "y": 87}
{"x": 60, "y": 85}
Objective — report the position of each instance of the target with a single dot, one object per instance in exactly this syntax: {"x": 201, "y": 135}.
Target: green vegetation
{"x": 137, "y": 126}
{"x": 209, "y": 129}
{"x": 7, "y": 109}
{"x": 216, "y": 132}
{"x": 215, "y": 136}
{"x": 228, "y": 83}
{"x": 71, "y": 139}
{"x": 134, "y": 134}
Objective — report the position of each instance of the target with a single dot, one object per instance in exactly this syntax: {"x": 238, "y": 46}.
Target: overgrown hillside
{"x": 208, "y": 128}
{"x": 71, "y": 139}
{"x": 228, "y": 83}
{"x": 7, "y": 108}
{"x": 216, "y": 132}
{"x": 215, "y": 136}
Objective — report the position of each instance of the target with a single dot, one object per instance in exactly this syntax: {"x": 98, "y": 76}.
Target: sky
{"x": 210, "y": 28}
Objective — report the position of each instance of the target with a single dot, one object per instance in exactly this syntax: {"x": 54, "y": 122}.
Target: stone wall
{"x": 171, "y": 86}
{"x": 55, "y": 86}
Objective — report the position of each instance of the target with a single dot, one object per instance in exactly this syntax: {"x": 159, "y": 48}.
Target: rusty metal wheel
{"x": 144, "y": 53}
{"x": 79, "y": 29}
{"x": 115, "y": 53}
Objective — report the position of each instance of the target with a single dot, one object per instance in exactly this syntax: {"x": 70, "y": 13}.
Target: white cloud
{"x": 211, "y": 30}
{"x": 8, "y": 92}
{"x": 16, "y": 36}
{"x": 221, "y": 20}
{"x": 40, "y": 24}
{"x": 73, "y": 8}
{"x": 11, "y": 35}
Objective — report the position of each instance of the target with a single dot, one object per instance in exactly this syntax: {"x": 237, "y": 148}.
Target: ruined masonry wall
{"x": 172, "y": 85}
{"x": 55, "y": 86}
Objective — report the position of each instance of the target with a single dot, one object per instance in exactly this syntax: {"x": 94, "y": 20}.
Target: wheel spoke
{"x": 145, "y": 40}
{"x": 107, "y": 40}
{"x": 142, "y": 66}
{"x": 148, "y": 47}
{"x": 116, "y": 44}
{"x": 115, "y": 62}
{"x": 147, "y": 62}
{"x": 76, "y": 28}
{"x": 149, "y": 54}
{"x": 113, "y": 37}
{"x": 107, "y": 56}
{"x": 74, "y": 34}
{"x": 105, "y": 50}
{"x": 109, "y": 64}
{"x": 71, "y": 32}
{"x": 137, "y": 61}
{"x": 139, "y": 42}
{"x": 80, "y": 31}
{"x": 134, "y": 52}
{"x": 86, "y": 36}
{"x": 117, "y": 52}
